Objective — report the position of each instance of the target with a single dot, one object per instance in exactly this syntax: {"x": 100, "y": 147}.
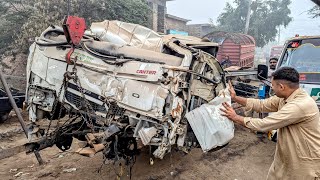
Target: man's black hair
{"x": 273, "y": 58}
{"x": 288, "y": 74}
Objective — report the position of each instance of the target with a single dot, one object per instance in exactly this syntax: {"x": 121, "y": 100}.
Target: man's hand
{"x": 232, "y": 91}
{"x": 231, "y": 114}
{"x": 235, "y": 98}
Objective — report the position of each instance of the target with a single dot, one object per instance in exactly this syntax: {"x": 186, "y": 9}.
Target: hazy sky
{"x": 199, "y": 11}
{"x": 302, "y": 24}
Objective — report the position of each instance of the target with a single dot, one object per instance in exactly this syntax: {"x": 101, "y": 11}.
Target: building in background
{"x": 162, "y": 22}
{"x": 199, "y": 30}
{"x": 275, "y": 51}
{"x": 176, "y": 25}
{"x": 158, "y": 15}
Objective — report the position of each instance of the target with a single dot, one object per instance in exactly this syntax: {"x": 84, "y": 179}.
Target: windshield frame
{"x": 284, "y": 53}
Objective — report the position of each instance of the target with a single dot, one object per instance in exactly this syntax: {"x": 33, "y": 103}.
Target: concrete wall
{"x": 159, "y": 22}
{"x": 199, "y": 30}
{"x": 172, "y": 23}
{"x": 206, "y": 30}
{"x": 194, "y": 30}
{"x": 157, "y": 17}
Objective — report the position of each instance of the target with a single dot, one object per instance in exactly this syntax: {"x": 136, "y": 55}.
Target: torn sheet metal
{"x": 210, "y": 127}
{"x": 202, "y": 90}
{"x": 146, "y": 134}
{"x": 122, "y": 33}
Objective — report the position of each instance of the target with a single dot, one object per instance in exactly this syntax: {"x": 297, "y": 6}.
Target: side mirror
{"x": 262, "y": 73}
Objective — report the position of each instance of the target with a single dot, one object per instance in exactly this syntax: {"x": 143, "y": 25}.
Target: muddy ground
{"x": 245, "y": 157}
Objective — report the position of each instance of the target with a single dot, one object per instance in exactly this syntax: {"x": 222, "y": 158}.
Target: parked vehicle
{"x": 240, "y": 48}
{"x": 275, "y": 51}
{"x": 303, "y": 53}
{"x": 5, "y": 105}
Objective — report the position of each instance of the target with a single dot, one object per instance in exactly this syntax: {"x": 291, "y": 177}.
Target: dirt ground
{"x": 245, "y": 157}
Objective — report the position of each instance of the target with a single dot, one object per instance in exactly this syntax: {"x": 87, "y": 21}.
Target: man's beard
{"x": 273, "y": 67}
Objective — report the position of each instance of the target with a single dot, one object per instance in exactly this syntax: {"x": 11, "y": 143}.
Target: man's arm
{"x": 240, "y": 100}
{"x": 266, "y": 105}
{"x": 289, "y": 114}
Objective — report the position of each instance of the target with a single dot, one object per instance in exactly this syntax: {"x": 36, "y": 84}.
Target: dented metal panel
{"x": 210, "y": 127}
{"x": 123, "y": 33}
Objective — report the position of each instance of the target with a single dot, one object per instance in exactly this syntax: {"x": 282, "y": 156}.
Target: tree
{"x": 317, "y": 2}
{"x": 23, "y": 20}
{"x": 266, "y": 16}
{"x": 314, "y": 12}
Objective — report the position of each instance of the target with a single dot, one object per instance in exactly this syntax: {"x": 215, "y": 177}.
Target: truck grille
{"x": 79, "y": 102}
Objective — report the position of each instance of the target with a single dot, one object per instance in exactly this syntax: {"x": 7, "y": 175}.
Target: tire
{"x": 4, "y": 117}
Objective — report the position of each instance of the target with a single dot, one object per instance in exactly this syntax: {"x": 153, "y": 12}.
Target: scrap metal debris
{"x": 13, "y": 170}
{"x": 69, "y": 170}
{"x": 18, "y": 174}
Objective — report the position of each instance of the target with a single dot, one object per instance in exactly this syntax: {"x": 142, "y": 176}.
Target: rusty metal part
{"x": 14, "y": 106}
{"x": 68, "y": 55}
{"x": 177, "y": 111}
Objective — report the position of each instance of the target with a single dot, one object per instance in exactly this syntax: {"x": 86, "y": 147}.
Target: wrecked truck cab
{"x": 127, "y": 87}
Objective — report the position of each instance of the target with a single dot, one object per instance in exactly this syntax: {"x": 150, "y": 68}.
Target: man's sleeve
{"x": 263, "y": 106}
{"x": 289, "y": 114}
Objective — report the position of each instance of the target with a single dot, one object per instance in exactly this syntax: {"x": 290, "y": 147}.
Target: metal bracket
{"x": 74, "y": 28}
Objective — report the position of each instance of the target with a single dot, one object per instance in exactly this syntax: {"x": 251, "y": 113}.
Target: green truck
{"x": 303, "y": 53}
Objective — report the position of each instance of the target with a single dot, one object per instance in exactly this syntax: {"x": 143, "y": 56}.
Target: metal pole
{"x": 68, "y": 9}
{"x": 279, "y": 35}
{"x": 16, "y": 109}
{"x": 248, "y": 17}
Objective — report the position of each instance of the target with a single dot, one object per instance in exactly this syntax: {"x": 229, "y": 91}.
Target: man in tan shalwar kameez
{"x": 296, "y": 116}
